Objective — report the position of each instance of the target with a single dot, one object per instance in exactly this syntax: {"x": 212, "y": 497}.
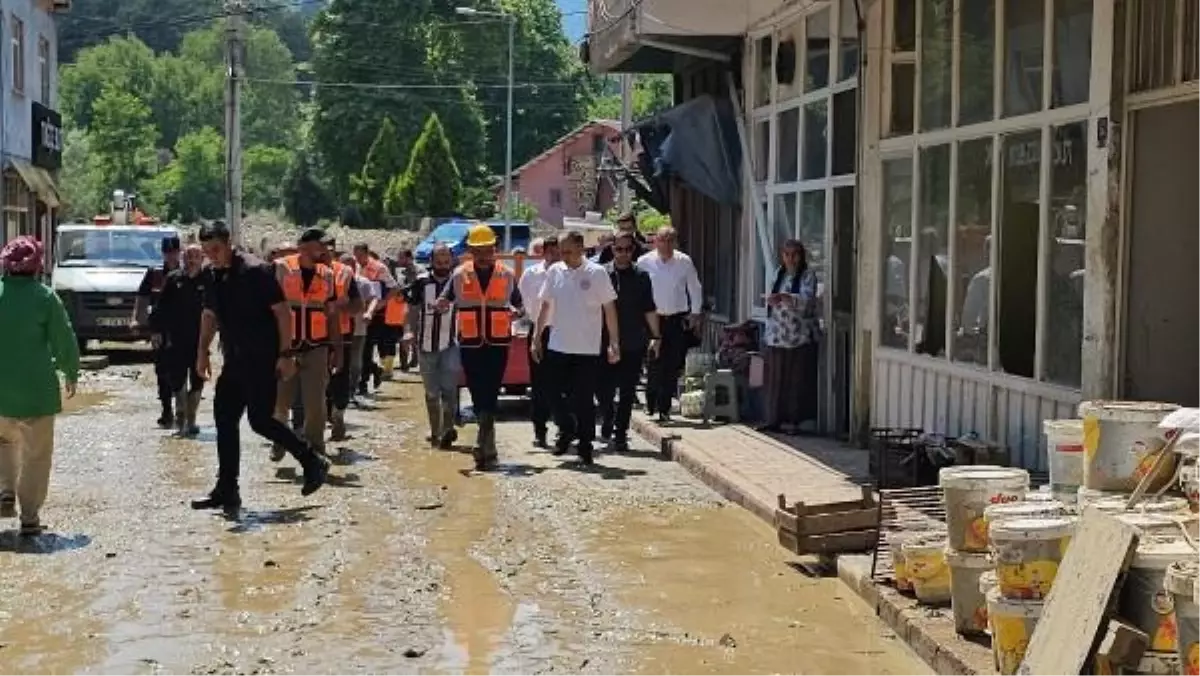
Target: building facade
{"x": 31, "y": 141}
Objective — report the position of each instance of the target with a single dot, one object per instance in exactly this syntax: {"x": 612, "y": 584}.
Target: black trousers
{"x": 662, "y": 378}
{"x": 574, "y": 394}
{"x": 162, "y": 376}
{"x": 541, "y": 388}
{"x": 338, "y": 392}
{"x": 484, "y": 368}
{"x": 375, "y": 340}
{"x": 619, "y": 382}
{"x": 248, "y": 387}
{"x": 181, "y": 368}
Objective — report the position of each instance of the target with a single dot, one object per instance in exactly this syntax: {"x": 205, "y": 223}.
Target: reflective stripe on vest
{"x": 343, "y": 277}
{"x": 309, "y": 323}
{"x": 484, "y": 316}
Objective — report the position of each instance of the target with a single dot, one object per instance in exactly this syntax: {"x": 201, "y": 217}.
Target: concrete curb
{"x": 927, "y": 631}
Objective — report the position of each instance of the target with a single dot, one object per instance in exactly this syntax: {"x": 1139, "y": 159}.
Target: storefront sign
{"x": 47, "y": 137}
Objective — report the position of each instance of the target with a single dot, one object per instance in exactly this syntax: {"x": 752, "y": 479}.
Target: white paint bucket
{"x": 1149, "y": 504}
{"x": 1144, "y": 601}
{"x": 987, "y": 581}
{"x": 1155, "y": 525}
{"x": 1022, "y": 510}
{"x": 1180, "y": 582}
{"x": 1041, "y": 494}
{"x": 1064, "y": 448}
{"x": 1086, "y": 496}
{"x": 900, "y": 567}
{"x": 967, "y": 493}
{"x": 967, "y": 602}
{"x": 1027, "y": 554}
{"x": 1011, "y": 624}
{"x": 925, "y": 563}
{"x": 1121, "y": 440}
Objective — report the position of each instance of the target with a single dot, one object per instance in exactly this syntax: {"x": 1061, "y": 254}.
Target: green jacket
{"x": 36, "y": 339}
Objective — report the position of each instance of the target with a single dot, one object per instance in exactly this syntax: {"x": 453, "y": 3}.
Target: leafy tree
{"x": 478, "y": 202}
{"x": 121, "y": 64}
{"x": 385, "y": 161}
{"x": 193, "y": 184}
{"x": 79, "y": 183}
{"x": 431, "y": 186}
{"x": 522, "y": 211}
{"x": 122, "y": 140}
{"x": 264, "y": 169}
{"x": 304, "y": 199}
{"x": 160, "y": 24}
{"x": 652, "y": 94}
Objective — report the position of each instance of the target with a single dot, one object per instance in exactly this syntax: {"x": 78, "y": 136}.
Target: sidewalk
{"x": 753, "y": 469}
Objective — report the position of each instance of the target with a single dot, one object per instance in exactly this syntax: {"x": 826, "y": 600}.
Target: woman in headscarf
{"x": 36, "y": 341}
{"x": 793, "y": 340}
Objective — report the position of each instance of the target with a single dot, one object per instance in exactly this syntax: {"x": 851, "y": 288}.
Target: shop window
{"x": 762, "y": 149}
{"x": 816, "y": 51}
{"x": 845, "y": 132}
{"x": 1072, "y": 52}
{"x": 816, "y": 124}
{"x": 937, "y": 24}
{"x": 1019, "y": 213}
{"x": 1064, "y": 287}
{"x": 1160, "y": 58}
{"x": 897, "y": 245}
{"x": 1024, "y": 26}
{"x": 764, "y": 79}
{"x": 812, "y": 230}
{"x": 17, "y": 220}
{"x": 903, "y": 80}
{"x": 783, "y": 220}
{"x": 904, "y": 25}
{"x": 847, "y": 40}
{"x": 843, "y": 249}
{"x": 17, "y": 52}
{"x": 972, "y": 252}
{"x": 932, "y": 252}
{"x": 976, "y": 69}
{"x": 44, "y": 69}
{"x": 788, "y": 146}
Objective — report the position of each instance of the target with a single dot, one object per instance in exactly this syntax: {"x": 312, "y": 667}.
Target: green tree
{"x": 304, "y": 199}
{"x": 385, "y": 161}
{"x": 264, "y": 169}
{"x": 81, "y": 189}
{"x": 652, "y": 94}
{"x": 431, "y": 186}
{"x": 121, "y": 64}
{"x": 193, "y": 184}
{"x": 160, "y": 24}
{"x": 122, "y": 141}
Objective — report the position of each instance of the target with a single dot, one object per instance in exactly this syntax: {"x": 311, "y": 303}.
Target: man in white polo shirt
{"x": 678, "y": 297}
{"x": 530, "y": 286}
{"x": 579, "y": 295}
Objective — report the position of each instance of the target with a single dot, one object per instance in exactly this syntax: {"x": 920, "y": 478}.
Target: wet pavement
{"x": 406, "y": 563}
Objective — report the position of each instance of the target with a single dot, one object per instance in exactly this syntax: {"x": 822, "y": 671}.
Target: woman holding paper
{"x": 793, "y": 339}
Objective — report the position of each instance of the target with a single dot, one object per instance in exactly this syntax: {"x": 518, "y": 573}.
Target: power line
{"x": 401, "y": 86}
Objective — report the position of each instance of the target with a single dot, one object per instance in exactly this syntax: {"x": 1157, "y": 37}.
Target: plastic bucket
{"x": 1042, "y": 494}
{"x": 1180, "y": 583}
{"x": 896, "y": 547}
{"x": 967, "y": 602}
{"x": 1064, "y": 446}
{"x": 1120, "y": 444}
{"x": 1027, "y": 554}
{"x": 925, "y": 563}
{"x": 987, "y": 581}
{"x": 967, "y": 493}
{"x": 1022, "y": 510}
{"x": 1144, "y": 601}
{"x": 1154, "y": 525}
{"x": 1011, "y": 623}
{"x": 1086, "y": 496}
{"x": 1162, "y": 504}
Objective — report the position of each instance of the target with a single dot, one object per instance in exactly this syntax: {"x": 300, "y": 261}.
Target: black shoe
{"x": 191, "y": 431}
{"x": 166, "y": 420}
{"x": 539, "y": 438}
{"x": 561, "y": 447}
{"x": 664, "y": 418}
{"x": 448, "y": 439}
{"x": 483, "y": 463}
{"x": 585, "y": 455}
{"x": 316, "y": 470}
{"x": 606, "y": 432}
{"x": 231, "y": 508}
{"x": 216, "y": 500}
{"x": 32, "y": 529}
{"x": 620, "y": 446}
{"x": 377, "y": 379}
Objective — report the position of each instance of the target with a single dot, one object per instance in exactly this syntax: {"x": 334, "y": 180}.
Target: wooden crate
{"x": 831, "y": 528}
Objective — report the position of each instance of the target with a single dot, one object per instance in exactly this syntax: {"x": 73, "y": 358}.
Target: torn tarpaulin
{"x": 695, "y": 142}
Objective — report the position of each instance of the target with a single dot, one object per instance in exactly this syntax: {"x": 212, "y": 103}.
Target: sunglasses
{"x": 622, "y": 249}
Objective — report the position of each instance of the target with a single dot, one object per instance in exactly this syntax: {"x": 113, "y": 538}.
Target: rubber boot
{"x": 181, "y": 413}
{"x": 389, "y": 364}
{"x": 449, "y": 434}
{"x": 485, "y": 444}
{"x": 337, "y": 421}
{"x": 193, "y": 406}
{"x": 167, "y": 419}
{"x": 433, "y": 409}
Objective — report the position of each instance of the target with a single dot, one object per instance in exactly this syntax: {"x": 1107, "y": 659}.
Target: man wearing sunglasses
{"x": 626, "y": 224}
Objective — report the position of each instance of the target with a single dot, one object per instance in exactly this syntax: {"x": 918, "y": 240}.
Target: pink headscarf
{"x": 22, "y": 256}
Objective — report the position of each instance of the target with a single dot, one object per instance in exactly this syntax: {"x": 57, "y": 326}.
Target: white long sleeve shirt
{"x": 530, "y": 286}
{"x": 674, "y": 281}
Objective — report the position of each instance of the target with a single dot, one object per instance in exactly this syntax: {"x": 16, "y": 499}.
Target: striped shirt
{"x": 434, "y": 330}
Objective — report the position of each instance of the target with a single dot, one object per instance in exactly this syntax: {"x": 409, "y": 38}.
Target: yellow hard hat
{"x": 481, "y": 235}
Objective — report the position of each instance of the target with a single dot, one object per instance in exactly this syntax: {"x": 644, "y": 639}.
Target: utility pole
{"x": 234, "y": 72}
{"x": 626, "y": 123}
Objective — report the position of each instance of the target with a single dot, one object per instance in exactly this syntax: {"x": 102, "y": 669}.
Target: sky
{"x": 574, "y": 18}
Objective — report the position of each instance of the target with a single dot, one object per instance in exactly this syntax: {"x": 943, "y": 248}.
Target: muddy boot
{"x": 193, "y": 406}
{"x": 389, "y": 364}
{"x": 181, "y": 413}
{"x": 167, "y": 419}
{"x": 337, "y": 421}
{"x": 485, "y": 444}
{"x": 316, "y": 471}
{"x": 449, "y": 434}
{"x": 433, "y": 411}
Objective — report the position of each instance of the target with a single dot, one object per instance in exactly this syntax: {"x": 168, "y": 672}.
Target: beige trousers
{"x": 312, "y": 377}
{"x": 26, "y": 445}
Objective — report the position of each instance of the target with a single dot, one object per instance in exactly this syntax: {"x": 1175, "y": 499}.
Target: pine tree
{"x": 304, "y": 200}
{"x": 383, "y": 164}
{"x": 432, "y": 185}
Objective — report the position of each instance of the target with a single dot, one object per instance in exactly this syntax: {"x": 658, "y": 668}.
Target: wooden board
{"x": 1076, "y": 610}
{"x": 834, "y": 543}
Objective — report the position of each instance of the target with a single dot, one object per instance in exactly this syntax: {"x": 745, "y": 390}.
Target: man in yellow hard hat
{"x": 483, "y": 292}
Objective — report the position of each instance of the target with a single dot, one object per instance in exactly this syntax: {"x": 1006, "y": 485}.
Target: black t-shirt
{"x": 635, "y": 297}
{"x": 153, "y": 280}
{"x": 241, "y": 296}
{"x": 177, "y": 314}
{"x": 639, "y": 248}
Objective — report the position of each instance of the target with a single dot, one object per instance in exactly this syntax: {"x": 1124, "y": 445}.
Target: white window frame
{"x": 16, "y": 43}
{"x": 45, "y": 70}
{"x": 909, "y": 147}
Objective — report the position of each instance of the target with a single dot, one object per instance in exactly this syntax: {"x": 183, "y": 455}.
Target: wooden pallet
{"x": 831, "y": 528}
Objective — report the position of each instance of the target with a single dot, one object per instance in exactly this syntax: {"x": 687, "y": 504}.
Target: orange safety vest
{"x": 343, "y": 277}
{"x": 484, "y": 317}
{"x": 309, "y": 323}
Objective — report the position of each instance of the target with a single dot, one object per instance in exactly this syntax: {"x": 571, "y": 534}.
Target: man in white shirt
{"x": 579, "y": 295}
{"x": 678, "y": 297}
{"x": 530, "y": 286}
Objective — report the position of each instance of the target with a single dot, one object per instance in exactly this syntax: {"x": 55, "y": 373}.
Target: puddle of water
{"x": 83, "y": 400}
{"x": 56, "y": 636}
{"x": 478, "y": 612}
{"x": 717, "y": 577}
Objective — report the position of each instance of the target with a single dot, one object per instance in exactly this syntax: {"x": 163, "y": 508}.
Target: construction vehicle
{"x": 99, "y": 266}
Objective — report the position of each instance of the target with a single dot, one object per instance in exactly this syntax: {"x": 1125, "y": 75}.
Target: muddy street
{"x": 405, "y": 563}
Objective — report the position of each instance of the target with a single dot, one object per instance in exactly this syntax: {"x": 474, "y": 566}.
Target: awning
{"x": 39, "y": 181}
